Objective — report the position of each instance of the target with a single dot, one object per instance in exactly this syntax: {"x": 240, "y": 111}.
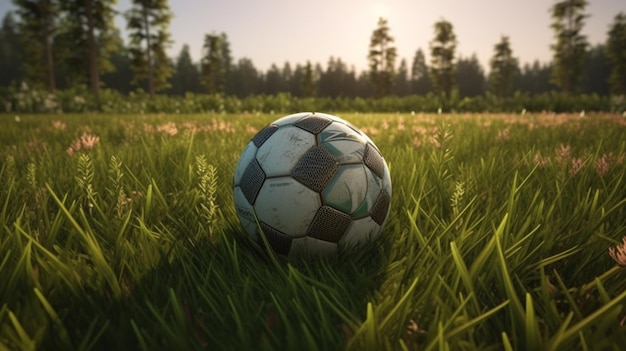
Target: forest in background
{"x": 39, "y": 57}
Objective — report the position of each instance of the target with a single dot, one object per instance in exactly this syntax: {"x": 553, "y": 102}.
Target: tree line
{"x": 53, "y": 44}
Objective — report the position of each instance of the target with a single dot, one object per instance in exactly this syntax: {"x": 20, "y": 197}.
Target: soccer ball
{"x": 312, "y": 184}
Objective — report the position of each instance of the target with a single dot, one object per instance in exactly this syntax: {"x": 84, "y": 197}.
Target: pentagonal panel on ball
{"x": 278, "y": 155}
{"x": 291, "y": 119}
{"x": 278, "y": 241}
{"x": 244, "y": 160}
{"x": 264, "y": 134}
{"x": 343, "y": 142}
{"x": 314, "y": 124}
{"x": 245, "y": 213}
{"x": 329, "y": 224}
{"x": 251, "y": 181}
{"x": 381, "y": 208}
{"x": 374, "y": 160}
{"x": 286, "y": 205}
{"x": 348, "y": 189}
{"x": 315, "y": 168}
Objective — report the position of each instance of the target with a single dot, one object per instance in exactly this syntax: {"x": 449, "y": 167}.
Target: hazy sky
{"x": 275, "y": 31}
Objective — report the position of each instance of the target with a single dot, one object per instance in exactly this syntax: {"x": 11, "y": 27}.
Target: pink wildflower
{"x": 88, "y": 141}
{"x": 540, "y": 161}
{"x": 563, "y": 154}
{"x": 602, "y": 165}
{"x": 576, "y": 165}
{"x": 618, "y": 253}
{"x": 58, "y": 125}
{"x": 168, "y": 128}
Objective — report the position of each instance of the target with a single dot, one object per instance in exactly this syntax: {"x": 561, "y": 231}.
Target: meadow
{"x": 505, "y": 233}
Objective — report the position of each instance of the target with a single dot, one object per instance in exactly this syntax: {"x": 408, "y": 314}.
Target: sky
{"x": 276, "y": 31}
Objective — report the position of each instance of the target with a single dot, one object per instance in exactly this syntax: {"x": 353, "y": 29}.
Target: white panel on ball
{"x": 291, "y": 119}
{"x": 246, "y": 156}
{"x": 347, "y": 190}
{"x": 360, "y": 232}
{"x": 245, "y": 212}
{"x": 280, "y": 153}
{"x": 286, "y": 205}
{"x": 344, "y": 143}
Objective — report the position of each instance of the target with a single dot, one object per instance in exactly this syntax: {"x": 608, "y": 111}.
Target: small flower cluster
{"x": 87, "y": 141}
{"x": 618, "y": 253}
{"x": 168, "y": 128}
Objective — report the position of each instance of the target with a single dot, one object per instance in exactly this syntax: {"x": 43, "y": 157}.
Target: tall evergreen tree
{"x": 186, "y": 77}
{"x": 245, "y": 78}
{"x": 442, "y": 51}
{"x": 569, "y": 50}
{"x": 420, "y": 78}
{"x": 470, "y": 77}
{"x": 119, "y": 79}
{"x": 273, "y": 80}
{"x": 39, "y": 23}
{"x": 616, "y": 52}
{"x": 148, "y": 22}
{"x": 89, "y": 38}
{"x": 308, "y": 85}
{"x": 534, "y": 78}
{"x": 286, "y": 76}
{"x": 596, "y": 71}
{"x": 382, "y": 58}
{"x": 213, "y": 74}
{"x": 11, "y": 51}
{"x": 401, "y": 85}
{"x": 228, "y": 63}
{"x": 502, "y": 68}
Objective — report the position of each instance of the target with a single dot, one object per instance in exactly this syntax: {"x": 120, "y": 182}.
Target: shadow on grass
{"x": 225, "y": 294}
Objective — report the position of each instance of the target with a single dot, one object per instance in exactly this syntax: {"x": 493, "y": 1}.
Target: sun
{"x": 380, "y": 10}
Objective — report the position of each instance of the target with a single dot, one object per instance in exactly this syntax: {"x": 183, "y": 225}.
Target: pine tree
{"x": 596, "y": 71}
{"x": 616, "y": 52}
{"x": 502, "y": 68}
{"x": 307, "y": 84}
{"x": 39, "y": 22}
{"x": 212, "y": 69}
{"x": 148, "y": 22}
{"x": 420, "y": 79}
{"x": 273, "y": 80}
{"x": 120, "y": 78}
{"x": 401, "y": 86}
{"x": 569, "y": 50}
{"x": 89, "y": 39}
{"x": 11, "y": 52}
{"x": 382, "y": 58}
{"x": 245, "y": 78}
{"x": 442, "y": 51}
{"x": 186, "y": 77}
{"x": 470, "y": 77}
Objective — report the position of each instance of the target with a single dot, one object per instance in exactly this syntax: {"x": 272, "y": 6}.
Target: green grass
{"x": 497, "y": 239}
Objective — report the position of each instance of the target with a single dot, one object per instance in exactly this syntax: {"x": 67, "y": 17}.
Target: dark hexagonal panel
{"x": 280, "y": 242}
{"x": 263, "y": 135}
{"x": 380, "y": 208}
{"x": 329, "y": 224}
{"x": 313, "y": 124}
{"x": 374, "y": 160}
{"x": 316, "y": 168}
{"x": 251, "y": 181}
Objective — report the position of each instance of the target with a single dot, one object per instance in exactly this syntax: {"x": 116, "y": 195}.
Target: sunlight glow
{"x": 380, "y": 9}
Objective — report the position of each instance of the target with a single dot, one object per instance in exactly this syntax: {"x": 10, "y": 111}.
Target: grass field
{"x": 119, "y": 232}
